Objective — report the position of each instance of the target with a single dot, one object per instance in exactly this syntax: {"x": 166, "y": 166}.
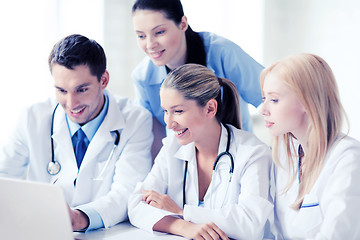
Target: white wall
{"x": 29, "y": 29}
{"x": 238, "y": 20}
{"x": 241, "y": 21}
{"x": 120, "y": 45}
{"x": 23, "y": 43}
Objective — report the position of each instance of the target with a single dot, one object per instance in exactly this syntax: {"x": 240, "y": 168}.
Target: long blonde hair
{"x": 313, "y": 82}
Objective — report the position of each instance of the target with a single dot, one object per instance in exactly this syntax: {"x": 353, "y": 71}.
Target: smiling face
{"x": 282, "y": 110}
{"x": 79, "y": 92}
{"x": 160, "y": 38}
{"x": 184, "y": 117}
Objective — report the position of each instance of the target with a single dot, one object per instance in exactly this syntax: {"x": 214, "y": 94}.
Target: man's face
{"x": 79, "y": 92}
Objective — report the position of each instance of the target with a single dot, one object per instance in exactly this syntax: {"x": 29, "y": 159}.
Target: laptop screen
{"x": 32, "y": 210}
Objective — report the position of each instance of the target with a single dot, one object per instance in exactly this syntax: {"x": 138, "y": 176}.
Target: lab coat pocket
{"x": 100, "y": 164}
{"x": 310, "y": 217}
{"x": 102, "y": 178}
{"x": 104, "y": 165}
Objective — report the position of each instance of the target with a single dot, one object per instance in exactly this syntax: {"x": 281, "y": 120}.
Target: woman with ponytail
{"x": 317, "y": 171}
{"x": 165, "y": 36}
{"x": 182, "y": 194}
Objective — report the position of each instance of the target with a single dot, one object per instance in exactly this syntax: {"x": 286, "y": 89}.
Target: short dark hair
{"x": 75, "y": 50}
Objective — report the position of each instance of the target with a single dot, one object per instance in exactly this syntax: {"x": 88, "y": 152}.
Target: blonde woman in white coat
{"x": 182, "y": 195}
{"x": 317, "y": 172}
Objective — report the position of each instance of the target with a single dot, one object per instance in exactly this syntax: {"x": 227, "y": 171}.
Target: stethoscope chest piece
{"x": 53, "y": 168}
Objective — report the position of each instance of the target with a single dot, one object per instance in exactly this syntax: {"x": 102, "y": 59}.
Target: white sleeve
{"x": 340, "y": 201}
{"x": 15, "y": 155}
{"x": 141, "y": 214}
{"x": 132, "y": 166}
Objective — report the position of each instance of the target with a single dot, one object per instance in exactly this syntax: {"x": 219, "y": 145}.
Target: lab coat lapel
{"x": 64, "y": 154}
{"x": 220, "y": 178}
{"x": 98, "y": 151}
{"x": 103, "y": 139}
{"x": 114, "y": 119}
{"x": 62, "y": 139}
{"x": 187, "y": 153}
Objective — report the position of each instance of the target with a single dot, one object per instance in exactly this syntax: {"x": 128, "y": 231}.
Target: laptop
{"x": 32, "y": 210}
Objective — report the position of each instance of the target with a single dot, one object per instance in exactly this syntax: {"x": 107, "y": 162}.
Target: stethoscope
{"x": 226, "y": 153}
{"x": 54, "y": 166}
{"x": 301, "y": 155}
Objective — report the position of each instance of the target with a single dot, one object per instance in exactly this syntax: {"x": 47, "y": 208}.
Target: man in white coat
{"x": 95, "y": 146}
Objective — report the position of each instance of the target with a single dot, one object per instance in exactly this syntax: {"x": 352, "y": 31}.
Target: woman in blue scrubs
{"x": 165, "y": 36}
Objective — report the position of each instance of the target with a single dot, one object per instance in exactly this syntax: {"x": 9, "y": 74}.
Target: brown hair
{"x": 196, "y": 82}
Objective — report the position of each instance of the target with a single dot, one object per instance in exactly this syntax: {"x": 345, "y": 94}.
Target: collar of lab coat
{"x": 113, "y": 120}
{"x": 223, "y": 139}
{"x": 187, "y": 152}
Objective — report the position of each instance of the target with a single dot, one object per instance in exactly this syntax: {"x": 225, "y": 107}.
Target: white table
{"x": 123, "y": 231}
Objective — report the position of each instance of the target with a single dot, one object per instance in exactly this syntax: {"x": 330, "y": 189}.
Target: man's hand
{"x": 79, "y": 220}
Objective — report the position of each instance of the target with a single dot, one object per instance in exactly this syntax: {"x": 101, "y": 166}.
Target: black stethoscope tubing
{"x": 51, "y": 133}
{"x": 227, "y": 153}
{"x": 54, "y": 166}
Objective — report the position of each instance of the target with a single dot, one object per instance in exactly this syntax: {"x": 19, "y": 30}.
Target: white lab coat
{"x": 247, "y": 203}
{"x": 337, "y": 191}
{"x": 29, "y": 152}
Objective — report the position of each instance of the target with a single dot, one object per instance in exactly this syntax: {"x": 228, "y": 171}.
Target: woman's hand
{"x": 204, "y": 231}
{"x": 161, "y": 201}
{"x": 189, "y": 230}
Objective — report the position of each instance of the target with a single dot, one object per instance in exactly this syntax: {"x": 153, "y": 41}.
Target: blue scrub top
{"x": 224, "y": 58}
